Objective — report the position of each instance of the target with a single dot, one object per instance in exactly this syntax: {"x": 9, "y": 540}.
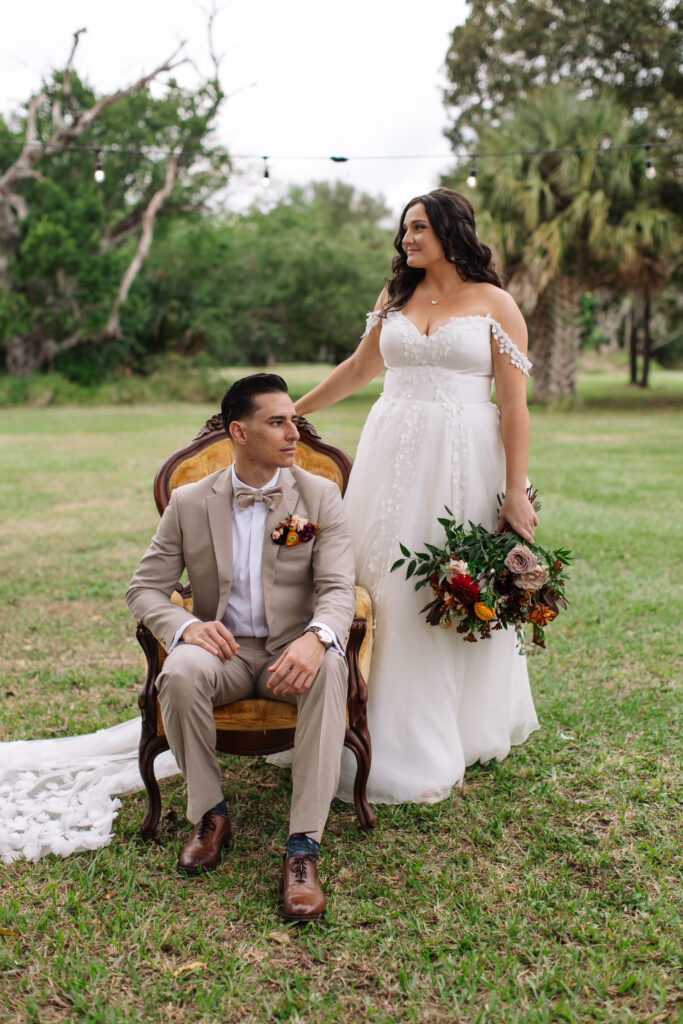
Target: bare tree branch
{"x": 32, "y": 153}
{"x": 21, "y": 168}
{"x": 113, "y": 328}
{"x": 67, "y": 89}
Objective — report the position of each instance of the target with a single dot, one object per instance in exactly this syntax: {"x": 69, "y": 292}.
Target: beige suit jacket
{"x": 313, "y": 580}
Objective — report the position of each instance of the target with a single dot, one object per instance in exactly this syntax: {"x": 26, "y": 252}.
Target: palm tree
{"x": 565, "y": 221}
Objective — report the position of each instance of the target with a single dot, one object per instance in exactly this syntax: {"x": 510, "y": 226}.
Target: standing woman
{"x": 444, "y": 329}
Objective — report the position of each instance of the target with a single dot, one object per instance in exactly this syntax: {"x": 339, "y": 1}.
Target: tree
{"x": 70, "y": 249}
{"x": 562, "y": 221}
{"x": 504, "y": 51}
{"x": 289, "y": 283}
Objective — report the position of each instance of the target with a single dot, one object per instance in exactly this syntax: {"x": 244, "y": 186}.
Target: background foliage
{"x": 292, "y": 281}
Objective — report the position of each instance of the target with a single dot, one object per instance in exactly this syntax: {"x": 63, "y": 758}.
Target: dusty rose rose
{"x": 520, "y": 559}
{"x": 533, "y": 580}
{"x": 276, "y": 534}
{"x": 456, "y": 567}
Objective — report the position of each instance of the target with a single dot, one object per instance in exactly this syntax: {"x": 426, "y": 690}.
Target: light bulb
{"x": 472, "y": 179}
{"x": 265, "y": 180}
{"x": 650, "y": 169}
{"x": 99, "y": 174}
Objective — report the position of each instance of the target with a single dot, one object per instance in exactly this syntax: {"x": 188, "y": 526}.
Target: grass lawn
{"x": 544, "y": 890}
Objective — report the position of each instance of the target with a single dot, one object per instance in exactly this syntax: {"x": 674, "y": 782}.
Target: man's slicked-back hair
{"x": 239, "y": 400}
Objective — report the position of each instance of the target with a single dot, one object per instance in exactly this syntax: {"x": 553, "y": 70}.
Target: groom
{"x": 272, "y": 602}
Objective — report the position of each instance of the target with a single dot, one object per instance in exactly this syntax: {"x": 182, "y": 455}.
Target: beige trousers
{"x": 192, "y": 682}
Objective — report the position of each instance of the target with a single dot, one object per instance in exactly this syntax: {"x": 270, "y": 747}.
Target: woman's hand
{"x": 518, "y": 513}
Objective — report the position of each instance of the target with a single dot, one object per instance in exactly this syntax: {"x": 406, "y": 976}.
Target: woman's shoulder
{"x": 505, "y": 311}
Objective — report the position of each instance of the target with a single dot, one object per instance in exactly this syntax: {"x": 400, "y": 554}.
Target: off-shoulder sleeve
{"x": 506, "y": 346}
{"x": 371, "y": 320}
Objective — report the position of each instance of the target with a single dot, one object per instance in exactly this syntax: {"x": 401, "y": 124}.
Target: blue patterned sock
{"x": 221, "y": 808}
{"x": 299, "y": 844}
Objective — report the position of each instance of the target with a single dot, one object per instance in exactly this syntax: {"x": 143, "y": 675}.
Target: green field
{"x": 545, "y": 890}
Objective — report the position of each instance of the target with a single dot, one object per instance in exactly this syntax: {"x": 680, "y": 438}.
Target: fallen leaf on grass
{"x": 195, "y": 965}
{"x": 256, "y": 954}
{"x": 281, "y": 937}
{"x": 8, "y": 931}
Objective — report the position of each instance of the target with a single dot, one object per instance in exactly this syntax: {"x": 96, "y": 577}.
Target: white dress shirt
{"x": 245, "y": 614}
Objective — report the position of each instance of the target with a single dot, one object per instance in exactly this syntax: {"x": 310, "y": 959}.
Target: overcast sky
{"x": 308, "y": 78}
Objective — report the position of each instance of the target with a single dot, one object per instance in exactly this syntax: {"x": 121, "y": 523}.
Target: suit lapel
{"x": 290, "y": 497}
{"x": 219, "y": 511}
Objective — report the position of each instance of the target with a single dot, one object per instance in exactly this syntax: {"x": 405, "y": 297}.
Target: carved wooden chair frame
{"x": 240, "y": 736}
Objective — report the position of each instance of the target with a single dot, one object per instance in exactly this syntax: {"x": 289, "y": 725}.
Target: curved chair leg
{"x": 366, "y": 818}
{"x": 149, "y": 749}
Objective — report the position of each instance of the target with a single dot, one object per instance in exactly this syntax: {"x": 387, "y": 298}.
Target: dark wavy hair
{"x": 239, "y": 400}
{"x": 452, "y": 218}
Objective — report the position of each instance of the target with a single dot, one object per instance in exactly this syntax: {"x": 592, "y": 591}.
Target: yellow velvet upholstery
{"x": 249, "y": 715}
{"x": 221, "y": 454}
{"x": 364, "y": 611}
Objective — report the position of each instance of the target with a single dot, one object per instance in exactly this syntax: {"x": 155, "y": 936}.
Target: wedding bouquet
{"x": 486, "y": 581}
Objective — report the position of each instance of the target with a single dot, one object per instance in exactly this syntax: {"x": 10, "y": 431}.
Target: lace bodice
{"x": 462, "y": 344}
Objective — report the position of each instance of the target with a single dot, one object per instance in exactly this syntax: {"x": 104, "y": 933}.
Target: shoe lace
{"x": 298, "y": 868}
{"x": 207, "y": 824}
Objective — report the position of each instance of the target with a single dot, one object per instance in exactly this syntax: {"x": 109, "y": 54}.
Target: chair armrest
{"x": 155, "y": 655}
{"x": 359, "y": 642}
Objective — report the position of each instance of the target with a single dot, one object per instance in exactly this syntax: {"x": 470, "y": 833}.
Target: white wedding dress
{"x": 436, "y": 703}
{"x": 59, "y": 795}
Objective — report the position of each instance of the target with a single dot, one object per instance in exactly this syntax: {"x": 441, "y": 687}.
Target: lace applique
{"x": 385, "y": 549}
{"x": 506, "y": 346}
{"x": 371, "y": 320}
{"x": 59, "y": 795}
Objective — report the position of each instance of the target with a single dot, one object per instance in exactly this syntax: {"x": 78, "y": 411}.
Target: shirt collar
{"x": 236, "y": 482}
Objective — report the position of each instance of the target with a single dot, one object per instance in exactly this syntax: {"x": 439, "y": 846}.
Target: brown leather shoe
{"x": 303, "y": 898}
{"x": 202, "y": 851}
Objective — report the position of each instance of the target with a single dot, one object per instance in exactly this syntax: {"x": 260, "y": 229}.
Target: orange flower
{"x": 292, "y": 539}
{"x": 541, "y": 615}
{"x": 483, "y": 612}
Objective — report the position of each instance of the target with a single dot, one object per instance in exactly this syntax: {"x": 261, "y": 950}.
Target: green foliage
{"x": 76, "y": 237}
{"x": 289, "y": 283}
{"x": 504, "y": 52}
{"x": 590, "y": 215}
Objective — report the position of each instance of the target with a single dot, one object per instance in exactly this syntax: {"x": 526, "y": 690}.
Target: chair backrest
{"x": 212, "y": 450}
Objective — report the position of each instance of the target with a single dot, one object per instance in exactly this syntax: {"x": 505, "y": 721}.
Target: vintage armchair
{"x": 254, "y": 726}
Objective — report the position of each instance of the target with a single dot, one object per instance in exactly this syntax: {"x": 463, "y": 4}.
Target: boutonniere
{"x": 294, "y": 530}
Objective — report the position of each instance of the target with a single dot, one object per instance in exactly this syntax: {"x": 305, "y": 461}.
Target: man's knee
{"x": 333, "y": 677}
{"x": 187, "y": 675}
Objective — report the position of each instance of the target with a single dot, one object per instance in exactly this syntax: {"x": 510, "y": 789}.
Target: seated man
{"x": 273, "y": 598}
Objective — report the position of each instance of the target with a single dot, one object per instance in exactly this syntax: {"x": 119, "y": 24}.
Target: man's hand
{"x": 297, "y": 666}
{"x": 213, "y": 637}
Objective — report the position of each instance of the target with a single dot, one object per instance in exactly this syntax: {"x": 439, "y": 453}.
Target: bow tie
{"x": 244, "y": 496}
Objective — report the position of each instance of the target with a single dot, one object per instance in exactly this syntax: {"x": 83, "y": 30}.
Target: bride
{"x": 443, "y": 329}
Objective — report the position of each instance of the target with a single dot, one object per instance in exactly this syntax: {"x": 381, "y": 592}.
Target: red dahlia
{"x": 464, "y": 589}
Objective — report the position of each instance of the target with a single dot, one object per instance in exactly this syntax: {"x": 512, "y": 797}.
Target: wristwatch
{"x": 325, "y": 636}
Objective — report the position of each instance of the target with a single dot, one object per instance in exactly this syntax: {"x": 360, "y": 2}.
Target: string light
{"x": 99, "y": 169}
{"x": 150, "y": 152}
